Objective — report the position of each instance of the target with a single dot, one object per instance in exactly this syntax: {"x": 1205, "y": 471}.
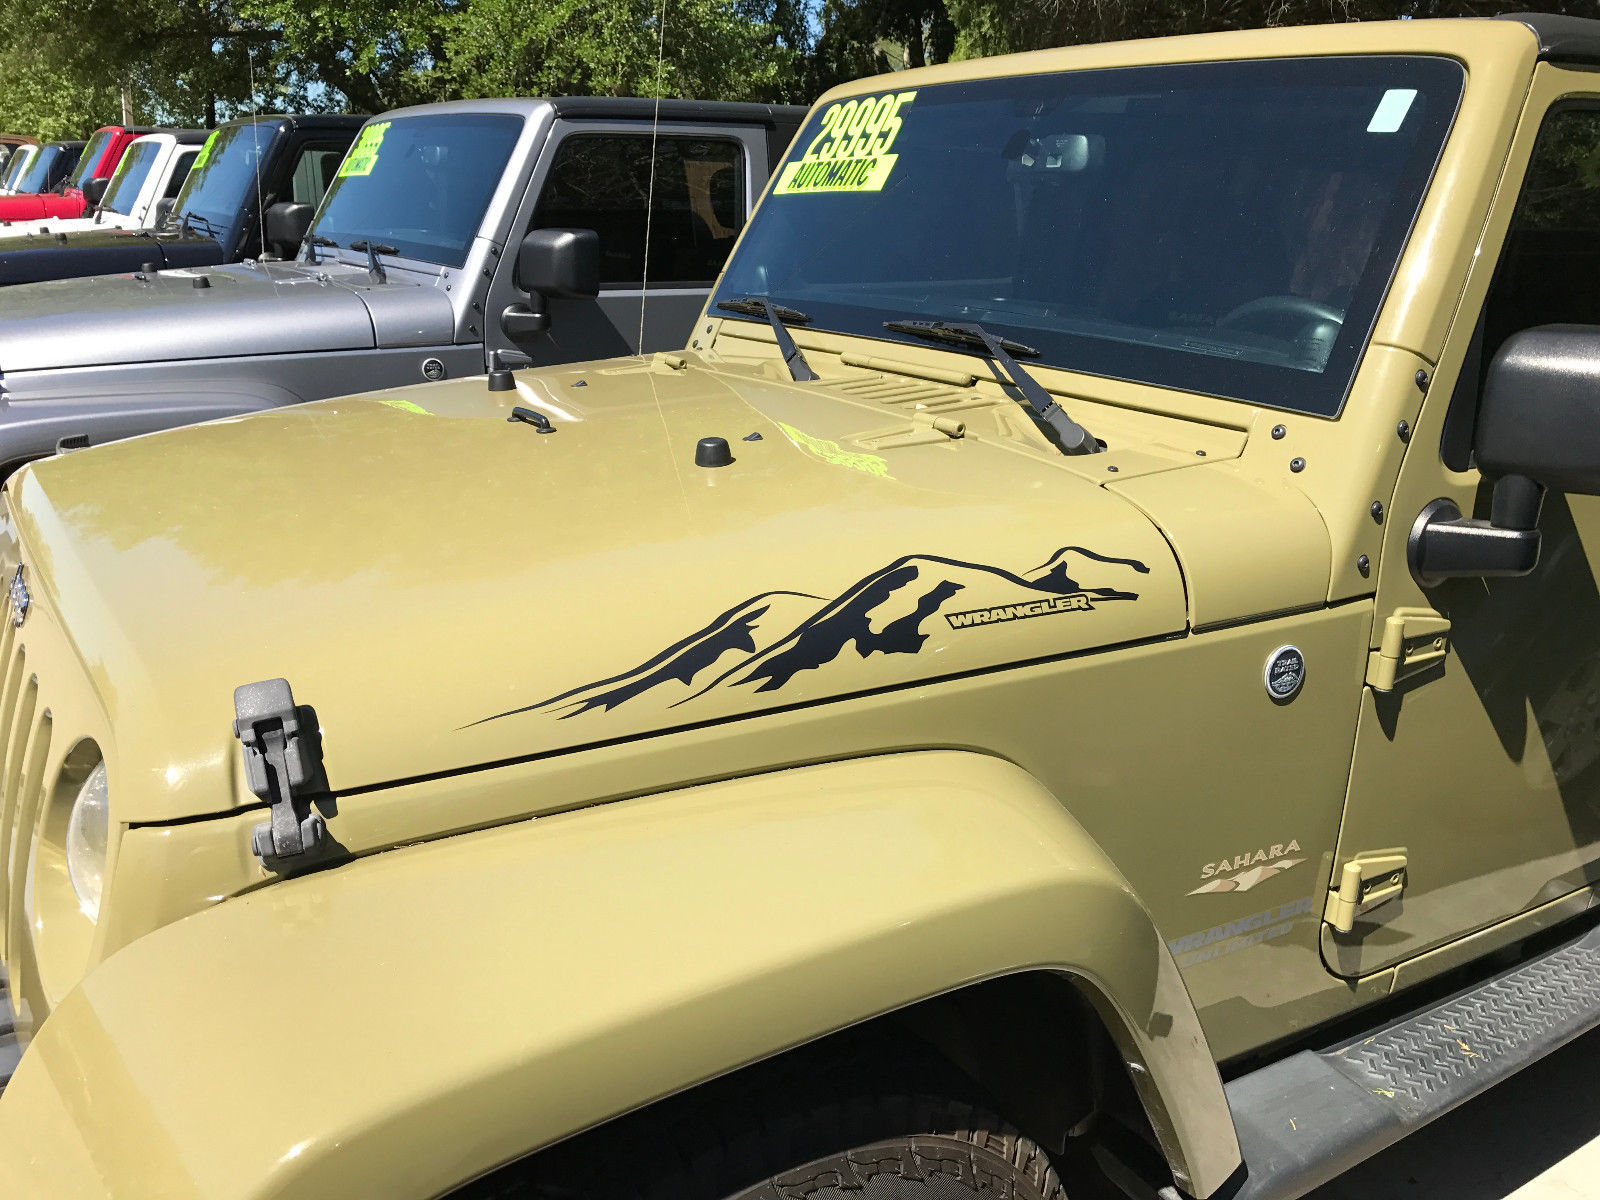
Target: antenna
{"x": 650, "y": 194}
{"x": 255, "y": 144}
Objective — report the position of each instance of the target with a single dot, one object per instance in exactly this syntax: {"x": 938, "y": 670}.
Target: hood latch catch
{"x": 282, "y": 755}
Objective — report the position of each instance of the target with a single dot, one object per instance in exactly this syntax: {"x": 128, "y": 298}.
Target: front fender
{"x": 403, "y": 1023}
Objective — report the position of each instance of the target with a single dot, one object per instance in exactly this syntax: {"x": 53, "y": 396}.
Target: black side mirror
{"x": 163, "y": 212}
{"x": 94, "y": 190}
{"x": 552, "y": 264}
{"x": 286, "y": 227}
{"x": 1538, "y": 428}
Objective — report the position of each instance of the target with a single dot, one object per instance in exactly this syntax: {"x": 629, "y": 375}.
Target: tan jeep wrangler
{"x": 1086, "y": 668}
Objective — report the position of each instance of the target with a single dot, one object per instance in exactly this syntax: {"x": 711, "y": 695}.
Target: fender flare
{"x": 406, "y": 1022}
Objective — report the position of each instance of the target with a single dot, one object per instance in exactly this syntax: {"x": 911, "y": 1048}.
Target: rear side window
{"x": 313, "y": 172}
{"x": 180, "y": 172}
{"x": 601, "y": 181}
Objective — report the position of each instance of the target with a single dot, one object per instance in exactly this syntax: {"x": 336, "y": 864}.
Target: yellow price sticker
{"x": 363, "y": 155}
{"x": 204, "y": 156}
{"x": 851, "y": 153}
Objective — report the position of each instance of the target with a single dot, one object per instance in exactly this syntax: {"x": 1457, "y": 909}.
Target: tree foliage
{"x": 67, "y": 66}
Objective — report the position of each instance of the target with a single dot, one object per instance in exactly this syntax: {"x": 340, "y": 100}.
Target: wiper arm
{"x": 313, "y": 240}
{"x": 205, "y": 226}
{"x": 1071, "y": 437}
{"x": 777, "y": 316}
{"x": 374, "y": 267}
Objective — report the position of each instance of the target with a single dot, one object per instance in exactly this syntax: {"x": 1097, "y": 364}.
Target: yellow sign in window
{"x": 852, "y": 151}
{"x": 363, "y": 155}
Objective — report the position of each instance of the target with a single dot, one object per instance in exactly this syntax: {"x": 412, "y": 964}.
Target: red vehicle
{"x": 99, "y": 159}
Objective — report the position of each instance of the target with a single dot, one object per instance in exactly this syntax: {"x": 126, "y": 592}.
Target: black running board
{"x": 1308, "y": 1118}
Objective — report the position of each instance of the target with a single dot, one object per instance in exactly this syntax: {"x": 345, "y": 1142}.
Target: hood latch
{"x": 282, "y": 754}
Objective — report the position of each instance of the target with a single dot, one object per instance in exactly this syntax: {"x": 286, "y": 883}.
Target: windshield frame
{"x": 24, "y": 156}
{"x": 125, "y": 172}
{"x": 1166, "y": 359}
{"x": 93, "y": 152}
{"x": 226, "y": 223}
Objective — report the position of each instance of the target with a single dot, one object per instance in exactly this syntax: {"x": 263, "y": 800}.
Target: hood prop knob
{"x": 712, "y": 452}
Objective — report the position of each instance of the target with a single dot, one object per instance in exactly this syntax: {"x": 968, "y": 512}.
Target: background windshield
{"x": 132, "y": 171}
{"x": 18, "y": 165}
{"x": 419, "y": 184}
{"x": 1225, "y": 227}
{"x": 91, "y": 157}
{"x": 38, "y": 171}
{"x": 224, "y": 174}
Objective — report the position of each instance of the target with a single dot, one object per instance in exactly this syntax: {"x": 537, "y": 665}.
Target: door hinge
{"x": 281, "y": 754}
{"x": 1414, "y": 640}
{"x": 1363, "y": 884}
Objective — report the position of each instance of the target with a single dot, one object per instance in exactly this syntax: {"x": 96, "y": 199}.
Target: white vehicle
{"x": 16, "y": 168}
{"x": 152, "y": 169}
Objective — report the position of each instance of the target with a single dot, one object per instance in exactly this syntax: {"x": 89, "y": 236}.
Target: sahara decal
{"x": 774, "y": 636}
{"x": 1252, "y": 868}
{"x": 851, "y": 153}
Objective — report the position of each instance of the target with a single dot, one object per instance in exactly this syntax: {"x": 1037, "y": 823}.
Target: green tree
{"x": 716, "y": 49}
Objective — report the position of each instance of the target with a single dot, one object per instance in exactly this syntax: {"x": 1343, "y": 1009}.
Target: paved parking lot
{"x": 1535, "y": 1137}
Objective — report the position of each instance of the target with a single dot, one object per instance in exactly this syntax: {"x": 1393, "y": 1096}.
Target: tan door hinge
{"x": 1414, "y": 640}
{"x": 1363, "y": 884}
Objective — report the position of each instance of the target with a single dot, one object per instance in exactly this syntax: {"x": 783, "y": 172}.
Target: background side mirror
{"x": 560, "y": 263}
{"x": 286, "y": 227}
{"x": 1538, "y": 428}
{"x": 94, "y": 190}
{"x": 163, "y": 211}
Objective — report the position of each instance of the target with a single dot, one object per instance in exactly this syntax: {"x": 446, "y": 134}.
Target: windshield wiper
{"x": 777, "y": 316}
{"x": 313, "y": 240}
{"x": 374, "y": 267}
{"x": 205, "y": 226}
{"x": 1071, "y": 437}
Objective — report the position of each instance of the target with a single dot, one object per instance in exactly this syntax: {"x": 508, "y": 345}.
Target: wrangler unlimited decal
{"x": 777, "y": 635}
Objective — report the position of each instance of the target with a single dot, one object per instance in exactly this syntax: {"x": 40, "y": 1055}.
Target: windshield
{"x": 137, "y": 162}
{"x": 38, "y": 172}
{"x": 1225, "y": 228}
{"x": 224, "y": 174}
{"x": 419, "y": 184}
{"x": 18, "y": 165}
{"x": 90, "y": 157}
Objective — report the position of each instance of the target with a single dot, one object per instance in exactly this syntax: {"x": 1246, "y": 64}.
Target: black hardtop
{"x": 780, "y": 120}
{"x": 186, "y": 137}
{"x": 311, "y": 121}
{"x": 1562, "y": 39}
{"x": 65, "y": 145}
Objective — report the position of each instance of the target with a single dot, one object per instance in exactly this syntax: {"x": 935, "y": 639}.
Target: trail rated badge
{"x": 765, "y": 641}
{"x": 852, "y": 153}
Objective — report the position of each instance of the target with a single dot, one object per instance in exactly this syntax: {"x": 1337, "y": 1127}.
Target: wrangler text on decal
{"x": 1017, "y": 612}
{"x": 1237, "y": 935}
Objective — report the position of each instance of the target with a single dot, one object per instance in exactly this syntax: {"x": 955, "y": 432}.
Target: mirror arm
{"x": 525, "y": 320}
{"x": 1443, "y": 544}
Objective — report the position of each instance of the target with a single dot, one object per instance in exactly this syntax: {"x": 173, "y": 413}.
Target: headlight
{"x": 87, "y": 832}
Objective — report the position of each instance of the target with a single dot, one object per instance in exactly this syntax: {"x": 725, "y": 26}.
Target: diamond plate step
{"x": 1307, "y": 1118}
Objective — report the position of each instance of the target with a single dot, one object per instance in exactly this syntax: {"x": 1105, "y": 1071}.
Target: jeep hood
{"x": 448, "y": 587}
{"x": 261, "y": 308}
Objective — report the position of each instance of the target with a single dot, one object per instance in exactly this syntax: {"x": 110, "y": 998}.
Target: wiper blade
{"x": 205, "y": 226}
{"x": 373, "y": 249}
{"x": 777, "y": 316}
{"x": 1071, "y": 437}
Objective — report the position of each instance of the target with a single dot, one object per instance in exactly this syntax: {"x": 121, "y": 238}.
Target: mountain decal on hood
{"x": 763, "y": 642}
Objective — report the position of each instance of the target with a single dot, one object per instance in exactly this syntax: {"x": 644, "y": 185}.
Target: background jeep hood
{"x": 449, "y": 588}
{"x": 33, "y": 257}
{"x": 263, "y": 308}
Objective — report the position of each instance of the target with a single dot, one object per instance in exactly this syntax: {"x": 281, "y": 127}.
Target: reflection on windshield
{"x": 38, "y": 171}
{"x": 91, "y": 156}
{"x": 224, "y": 174}
{"x": 419, "y": 184}
{"x": 1226, "y": 228}
{"x": 14, "y": 172}
{"x": 132, "y": 171}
